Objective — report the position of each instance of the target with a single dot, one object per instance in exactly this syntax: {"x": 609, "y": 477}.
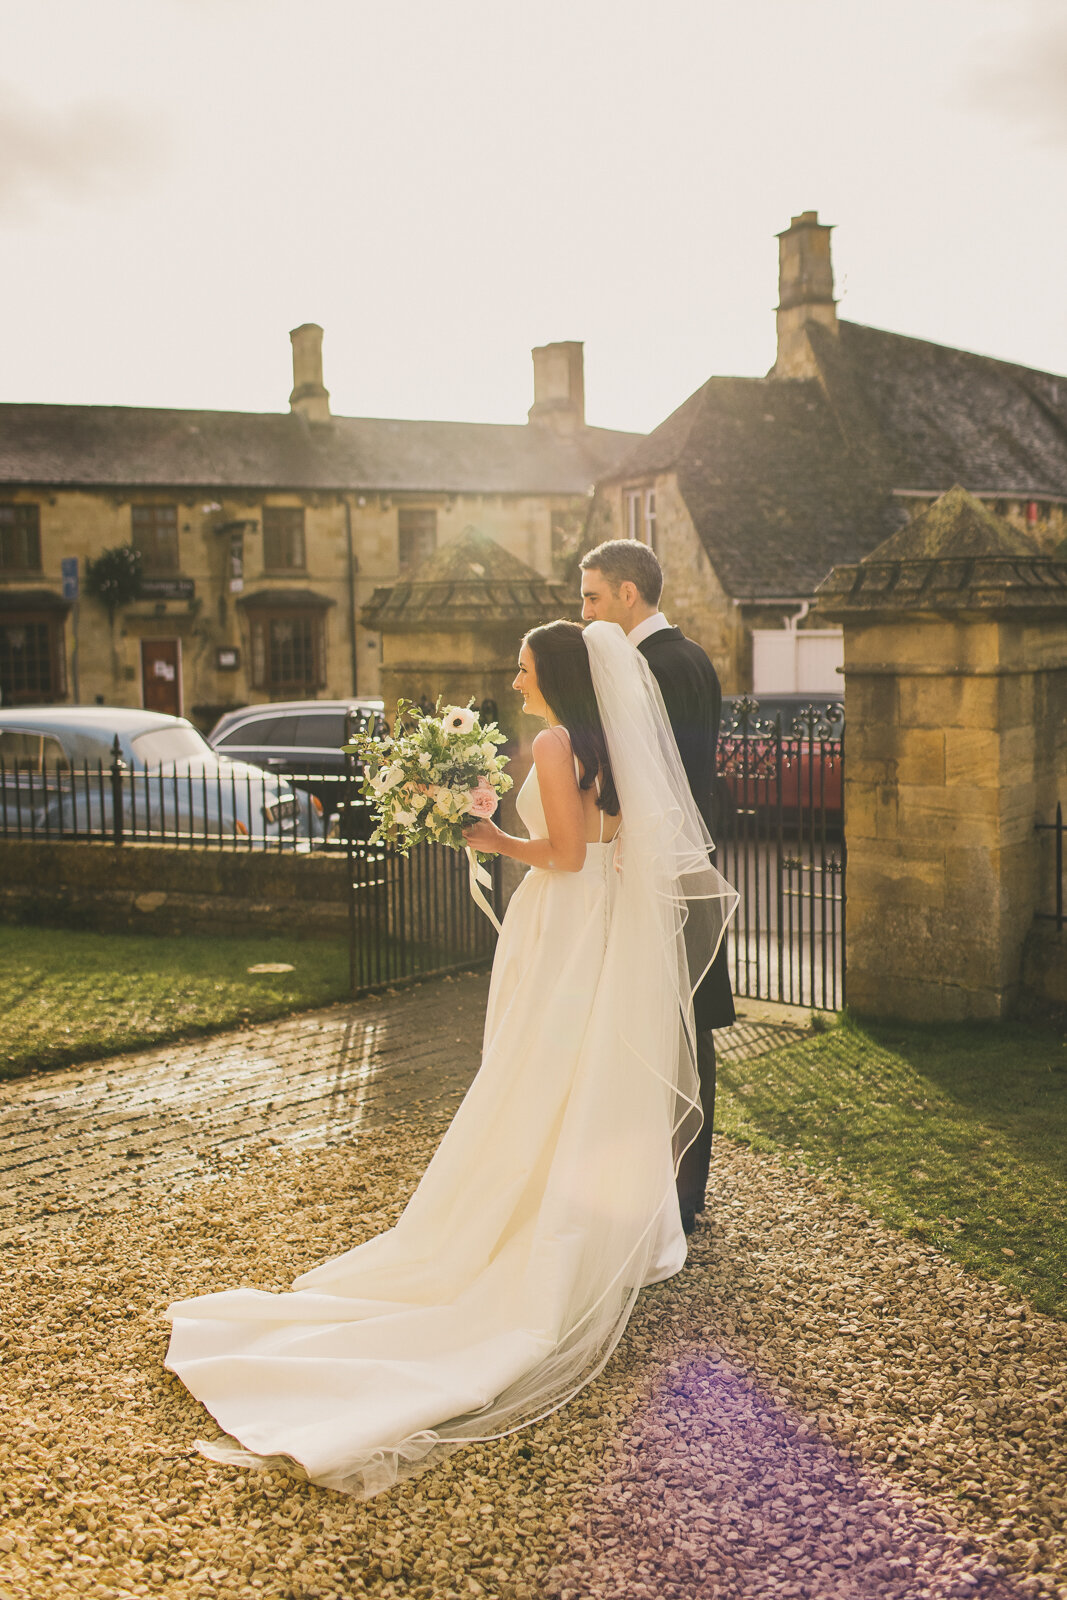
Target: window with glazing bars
{"x": 289, "y": 651}
{"x": 417, "y": 538}
{"x": 155, "y": 533}
{"x": 31, "y": 661}
{"x": 640, "y": 511}
{"x": 283, "y": 539}
{"x": 20, "y": 538}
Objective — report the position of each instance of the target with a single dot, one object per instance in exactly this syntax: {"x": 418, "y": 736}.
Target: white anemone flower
{"x": 458, "y": 719}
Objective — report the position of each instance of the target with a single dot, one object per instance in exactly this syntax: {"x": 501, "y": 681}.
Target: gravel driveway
{"x": 815, "y": 1408}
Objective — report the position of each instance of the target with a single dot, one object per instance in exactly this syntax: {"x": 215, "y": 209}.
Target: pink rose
{"x": 482, "y": 801}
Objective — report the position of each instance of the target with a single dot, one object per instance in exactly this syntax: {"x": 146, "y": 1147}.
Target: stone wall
{"x": 1044, "y": 976}
{"x": 149, "y": 889}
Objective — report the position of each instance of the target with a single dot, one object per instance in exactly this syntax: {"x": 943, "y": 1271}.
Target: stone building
{"x": 755, "y": 487}
{"x": 263, "y": 536}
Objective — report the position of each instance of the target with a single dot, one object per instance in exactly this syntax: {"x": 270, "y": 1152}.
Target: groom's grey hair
{"x": 627, "y": 561}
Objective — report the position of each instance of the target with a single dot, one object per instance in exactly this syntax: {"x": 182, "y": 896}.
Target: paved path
{"x": 89, "y": 1135}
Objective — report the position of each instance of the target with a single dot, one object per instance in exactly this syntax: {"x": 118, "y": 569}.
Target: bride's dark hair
{"x": 563, "y": 677}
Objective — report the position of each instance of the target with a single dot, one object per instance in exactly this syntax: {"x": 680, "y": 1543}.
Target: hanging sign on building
{"x": 167, "y": 588}
{"x": 68, "y": 566}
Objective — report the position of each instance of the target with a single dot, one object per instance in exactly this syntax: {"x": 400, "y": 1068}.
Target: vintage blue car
{"x": 62, "y": 766}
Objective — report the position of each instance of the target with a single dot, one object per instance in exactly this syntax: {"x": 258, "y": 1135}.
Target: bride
{"x": 509, "y": 1278}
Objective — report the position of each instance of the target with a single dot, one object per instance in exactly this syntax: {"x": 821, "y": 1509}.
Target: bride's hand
{"x": 483, "y": 835}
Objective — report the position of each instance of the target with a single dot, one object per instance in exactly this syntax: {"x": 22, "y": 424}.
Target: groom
{"x": 622, "y": 582}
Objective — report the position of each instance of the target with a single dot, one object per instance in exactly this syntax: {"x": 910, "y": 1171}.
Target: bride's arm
{"x": 564, "y": 849}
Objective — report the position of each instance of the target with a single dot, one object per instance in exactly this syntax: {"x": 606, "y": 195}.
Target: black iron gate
{"x": 781, "y": 844}
{"x": 413, "y": 915}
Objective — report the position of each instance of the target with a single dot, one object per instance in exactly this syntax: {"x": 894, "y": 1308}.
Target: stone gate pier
{"x": 955, "y": 663}
{"x": 454, "y": 628}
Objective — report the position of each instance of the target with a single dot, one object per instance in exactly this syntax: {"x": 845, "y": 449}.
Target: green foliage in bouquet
{"x": 431, "y": 775}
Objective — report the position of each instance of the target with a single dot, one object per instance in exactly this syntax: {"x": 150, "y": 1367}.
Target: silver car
{"x": 61, "y": 767}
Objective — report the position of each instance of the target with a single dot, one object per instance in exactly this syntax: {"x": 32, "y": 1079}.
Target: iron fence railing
{"x": 779, "y": 832}
{"x": 412, "y": 916}
{"x": 409, "y": 916}
{"x": 223, "y": 806}
{"x": 1056, "y": 830}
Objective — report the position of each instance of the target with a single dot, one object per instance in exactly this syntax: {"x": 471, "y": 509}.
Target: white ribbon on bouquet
{"x": 479, "y": 879}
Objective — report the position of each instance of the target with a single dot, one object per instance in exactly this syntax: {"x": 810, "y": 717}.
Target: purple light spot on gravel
{"x": 721, "y": 1492}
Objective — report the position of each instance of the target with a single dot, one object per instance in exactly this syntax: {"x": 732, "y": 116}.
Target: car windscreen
{"x": 170, "y": 744}
{"x": 259, "y": 731}
{"x": 321, "y": 730}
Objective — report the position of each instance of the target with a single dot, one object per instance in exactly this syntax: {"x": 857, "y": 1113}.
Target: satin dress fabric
{"x": 510, "y": 1275}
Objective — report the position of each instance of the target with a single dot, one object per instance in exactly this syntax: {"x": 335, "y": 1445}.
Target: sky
{"x": 443, "y": 184}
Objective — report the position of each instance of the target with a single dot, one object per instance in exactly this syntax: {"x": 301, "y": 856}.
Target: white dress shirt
{"x": 653, "y": 624}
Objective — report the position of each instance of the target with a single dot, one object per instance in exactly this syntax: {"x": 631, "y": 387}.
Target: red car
{"x": 784, "y": 753}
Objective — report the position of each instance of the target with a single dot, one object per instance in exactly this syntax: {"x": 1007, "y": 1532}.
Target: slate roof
{"x": 774, "y": 494}
{"x": 786, "y": 478}
{"x": 945, "y": 416}
{"x": 136, "y": 446}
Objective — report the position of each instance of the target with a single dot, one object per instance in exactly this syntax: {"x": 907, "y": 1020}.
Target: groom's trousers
{"x": 693, "y": 1170}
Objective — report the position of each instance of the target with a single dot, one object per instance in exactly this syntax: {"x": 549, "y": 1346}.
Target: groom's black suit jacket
{"x": 690, "y": 688}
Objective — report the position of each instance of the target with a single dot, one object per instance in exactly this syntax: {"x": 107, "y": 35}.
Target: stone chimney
{"x": 309, "y": 397}
{"x": 805, "y": 293}
{"x": 559, "y": 386}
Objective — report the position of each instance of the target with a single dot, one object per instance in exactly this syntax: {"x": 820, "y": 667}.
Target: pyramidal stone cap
{"x": 957, "y": 555}
{"x": 472, "y": 579}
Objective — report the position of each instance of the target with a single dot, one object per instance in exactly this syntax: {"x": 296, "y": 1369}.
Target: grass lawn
{"x": 955, "y": 1133}
{"x": 68, "y": 996}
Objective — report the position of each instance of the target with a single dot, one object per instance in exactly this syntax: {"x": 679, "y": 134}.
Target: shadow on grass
{"x": 956, "y": 1133}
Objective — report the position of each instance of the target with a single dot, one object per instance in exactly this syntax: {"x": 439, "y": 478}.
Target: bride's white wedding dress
{"x": 509, "y": 1277}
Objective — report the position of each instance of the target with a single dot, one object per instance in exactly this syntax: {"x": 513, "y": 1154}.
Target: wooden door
{"x": 161, "y": 675}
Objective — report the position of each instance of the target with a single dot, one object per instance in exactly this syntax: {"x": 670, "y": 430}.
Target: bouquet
{"x": 431, "y": 775}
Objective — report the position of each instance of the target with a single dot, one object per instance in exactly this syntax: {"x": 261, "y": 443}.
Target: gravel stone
{"x": 816, "y": 1408}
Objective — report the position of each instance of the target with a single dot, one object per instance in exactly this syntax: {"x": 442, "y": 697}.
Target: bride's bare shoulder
{"x": 552, "y": 744}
